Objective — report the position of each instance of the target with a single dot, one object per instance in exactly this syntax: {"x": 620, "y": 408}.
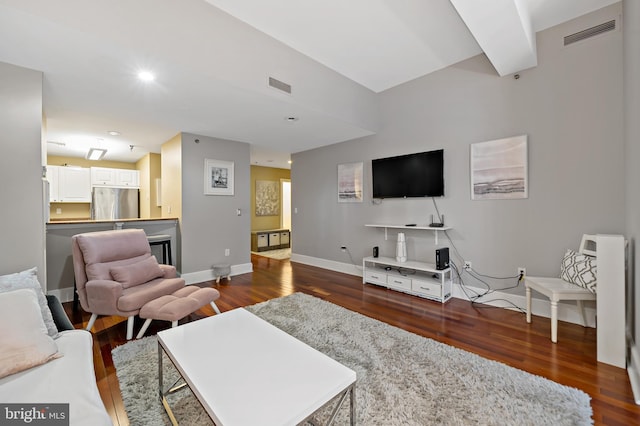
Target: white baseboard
{"x": 497, "y": 299}
{"x": 345, "y": 268}
{"x": 66, "y": 294}
{"x": 633, "y": 369}
{"x": 540, "y": 307}
{"x": 207, "y": 274}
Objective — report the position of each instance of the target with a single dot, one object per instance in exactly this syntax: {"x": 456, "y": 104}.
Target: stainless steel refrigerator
{"x": 114, "y": 203}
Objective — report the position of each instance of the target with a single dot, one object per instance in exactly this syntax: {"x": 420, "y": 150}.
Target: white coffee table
{"x": 245, "y": 371}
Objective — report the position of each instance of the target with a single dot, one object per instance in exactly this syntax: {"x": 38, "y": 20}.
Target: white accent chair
{"x": 556, "y": 289}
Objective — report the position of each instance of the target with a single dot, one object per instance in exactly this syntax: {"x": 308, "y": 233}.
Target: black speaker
{"x": 442, "y": 258}
{"x": 375, "y": 251}
{"x": 437, "y": 224}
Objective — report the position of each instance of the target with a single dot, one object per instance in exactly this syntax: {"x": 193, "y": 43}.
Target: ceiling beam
{"x": 504, "y": 31}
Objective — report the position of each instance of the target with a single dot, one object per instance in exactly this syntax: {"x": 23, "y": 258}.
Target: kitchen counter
{"x": 75, "y": 221}
{"x": 60, "y": 276}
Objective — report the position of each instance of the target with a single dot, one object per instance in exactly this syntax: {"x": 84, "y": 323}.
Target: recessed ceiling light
{"x": 114, "y": 133}
{"x": 96, "y": 153}
{"x": 289, "y": 162}
{"x": 146, "y": 76}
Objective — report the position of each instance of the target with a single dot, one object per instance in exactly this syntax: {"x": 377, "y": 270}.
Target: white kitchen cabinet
{"x": 119, "y": 178}
{"x": 69, "y": 184}
{"x": 128, "y": 178}
{"x": 74, "y": 185}
{"x": 103, "y": 176}
{"x": 53, "y": 178}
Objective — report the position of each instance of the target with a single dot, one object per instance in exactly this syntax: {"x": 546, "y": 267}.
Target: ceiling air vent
{"x": 590, "y": 32}
{"x": 277, "y": 84}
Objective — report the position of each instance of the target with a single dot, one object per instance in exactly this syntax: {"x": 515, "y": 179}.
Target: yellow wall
{"x": 259, "y": 223}
{"x": 69, "y": 211}
{"x": 172, "y": 177}
{"x": 150, "y": 170}
{"x": 81, "y": 211}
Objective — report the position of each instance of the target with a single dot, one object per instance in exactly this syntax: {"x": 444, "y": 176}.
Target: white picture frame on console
{"x": 499, "y": 169}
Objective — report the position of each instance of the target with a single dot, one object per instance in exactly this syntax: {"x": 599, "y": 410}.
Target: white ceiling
{"x": 212, "y": 60}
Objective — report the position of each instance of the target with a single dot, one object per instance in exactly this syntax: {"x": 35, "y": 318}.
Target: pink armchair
{"x": 116, "y": 274}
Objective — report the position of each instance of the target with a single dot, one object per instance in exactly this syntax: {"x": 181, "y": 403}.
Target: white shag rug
{"x": 402, "y": 378}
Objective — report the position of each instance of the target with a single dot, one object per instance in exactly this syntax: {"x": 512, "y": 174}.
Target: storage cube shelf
{"x": 416, "y": 278}
{"x": 270, "y": 240}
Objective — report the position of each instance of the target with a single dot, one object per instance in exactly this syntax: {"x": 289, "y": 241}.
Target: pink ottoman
{"x": 173, "y": 307}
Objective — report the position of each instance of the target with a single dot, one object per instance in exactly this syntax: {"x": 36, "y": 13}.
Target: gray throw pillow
{"x": 579, "y": 269}
{"x": 29, "y": 279}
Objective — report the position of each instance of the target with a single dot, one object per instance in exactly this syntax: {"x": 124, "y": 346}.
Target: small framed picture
{"x": 350, "y": 182}
{"x": 218, "y": 177}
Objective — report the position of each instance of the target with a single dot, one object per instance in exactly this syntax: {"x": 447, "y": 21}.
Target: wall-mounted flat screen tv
{"x": 412, "y": 175}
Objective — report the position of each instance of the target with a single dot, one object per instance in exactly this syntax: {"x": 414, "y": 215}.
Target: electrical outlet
{"x": 227, "y": 252}
{"x": 343, "y": 248}
{"x": 522, "y": 271}
{"x": 467, "y": 265}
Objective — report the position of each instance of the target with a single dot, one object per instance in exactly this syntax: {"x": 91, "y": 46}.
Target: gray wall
{"x": 632, "y": 152}
{"x": 22, "y": 224}
{"x": 209, "y": 222}
{"x": 571, "y": 108}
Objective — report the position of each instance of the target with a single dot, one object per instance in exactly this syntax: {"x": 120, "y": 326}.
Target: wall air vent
{"x": 280, "y": 85}
{"x": 590, "y": 32}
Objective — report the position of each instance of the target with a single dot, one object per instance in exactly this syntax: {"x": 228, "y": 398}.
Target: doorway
{"x": 285, "y": 208}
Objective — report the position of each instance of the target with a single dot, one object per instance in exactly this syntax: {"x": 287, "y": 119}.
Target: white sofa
{"x": 68, "y": 379}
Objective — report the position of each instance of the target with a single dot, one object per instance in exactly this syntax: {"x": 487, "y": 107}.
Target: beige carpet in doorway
{"x": 279, "y": 254}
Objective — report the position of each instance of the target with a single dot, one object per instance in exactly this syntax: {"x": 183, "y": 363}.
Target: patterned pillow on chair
{"x": 579, "y": 269}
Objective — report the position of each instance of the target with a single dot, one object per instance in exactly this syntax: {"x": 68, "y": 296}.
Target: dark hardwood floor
{"x": 494, "y": 333}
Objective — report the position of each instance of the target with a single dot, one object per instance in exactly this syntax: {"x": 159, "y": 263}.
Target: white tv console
{"x": 413, "y": 277}
{"x": 417, "y": 278}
